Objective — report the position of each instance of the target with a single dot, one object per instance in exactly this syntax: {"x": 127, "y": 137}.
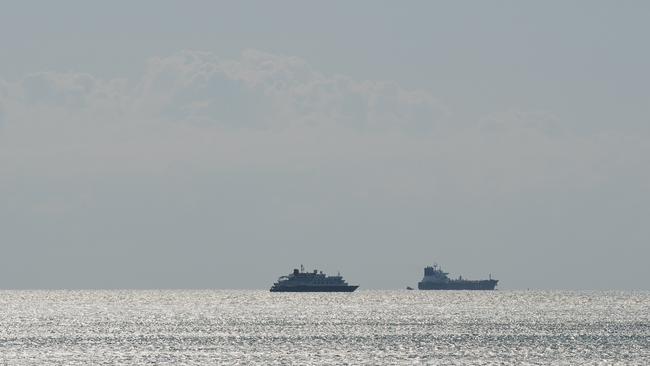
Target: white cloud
{"x": 267, "y": 90}
{"x": 258, "y": 90}
{"x": 519, "y": 121}
{"x": 271, "y": 110}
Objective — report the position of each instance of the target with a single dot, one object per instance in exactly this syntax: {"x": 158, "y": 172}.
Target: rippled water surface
{"x": 365, "y": 327}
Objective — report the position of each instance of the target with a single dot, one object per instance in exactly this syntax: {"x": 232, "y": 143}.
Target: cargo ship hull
{"x": 458, "y": 285}
{"x": 307, "y": 288}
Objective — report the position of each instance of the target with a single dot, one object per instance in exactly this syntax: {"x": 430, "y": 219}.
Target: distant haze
{"x": 217, "y": 145}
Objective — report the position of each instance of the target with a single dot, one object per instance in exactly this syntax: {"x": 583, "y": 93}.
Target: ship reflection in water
{"x": 436, "y": 279}
{"x": 316, "y": 281}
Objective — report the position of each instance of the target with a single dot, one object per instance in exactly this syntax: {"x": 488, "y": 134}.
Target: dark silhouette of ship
{"x": 316, "y": 281}
{"x": 436, "y": 279}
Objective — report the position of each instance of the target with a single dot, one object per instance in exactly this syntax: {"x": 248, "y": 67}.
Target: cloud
{"x": 75, "y": 90}
{"x": 268, "y": 90}
{"x": 258, "y": 90}
{"x": 200, "y": 109}
{"x": 520, "y": 121}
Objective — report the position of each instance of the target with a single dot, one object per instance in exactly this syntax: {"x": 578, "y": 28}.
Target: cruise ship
{"x": 316, "y": 281}
{"x": 436, "y": 279}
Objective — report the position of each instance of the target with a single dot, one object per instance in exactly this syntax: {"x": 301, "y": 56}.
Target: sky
{"x": 206, "y": 144}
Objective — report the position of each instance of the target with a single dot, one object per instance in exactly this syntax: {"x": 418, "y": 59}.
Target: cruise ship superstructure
{"x": 316, "y": 281}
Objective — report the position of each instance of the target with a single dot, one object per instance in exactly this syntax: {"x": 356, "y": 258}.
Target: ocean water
{"x": 366, "y": 327}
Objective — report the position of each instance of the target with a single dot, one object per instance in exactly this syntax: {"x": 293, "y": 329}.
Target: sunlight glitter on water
{"x": 365, "y": 327}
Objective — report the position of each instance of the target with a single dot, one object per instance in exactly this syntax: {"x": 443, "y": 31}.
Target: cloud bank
{"x": 259, "y": 90}
{"x": 196, "y": 101}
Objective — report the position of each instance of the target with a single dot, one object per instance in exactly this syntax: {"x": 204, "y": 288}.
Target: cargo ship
{"x": 316, "y": 281}
{"x": 436, "y": 279}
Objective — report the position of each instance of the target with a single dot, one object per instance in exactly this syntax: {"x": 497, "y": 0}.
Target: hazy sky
{"x": 157, "y": 144}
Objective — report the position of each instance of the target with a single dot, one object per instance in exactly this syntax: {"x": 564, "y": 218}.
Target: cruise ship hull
{"x": 307, "y": 288}
{"x": 458, "y": 285}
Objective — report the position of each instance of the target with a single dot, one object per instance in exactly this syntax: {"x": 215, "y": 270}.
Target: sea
{"x": 367, "y": 327}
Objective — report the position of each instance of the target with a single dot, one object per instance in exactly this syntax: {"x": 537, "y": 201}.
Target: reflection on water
{"x": 365, "y": 327}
